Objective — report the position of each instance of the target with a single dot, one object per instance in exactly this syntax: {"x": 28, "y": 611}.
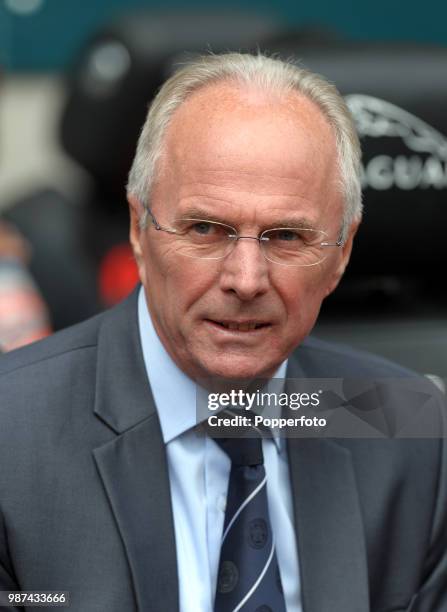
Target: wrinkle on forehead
{"x": 227, "y": 182}
{"x": 231, "y": 112}
{"x": 228, "y": 142}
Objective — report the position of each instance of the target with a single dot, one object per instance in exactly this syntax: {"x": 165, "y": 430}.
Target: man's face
{"x": 252, "y": 162}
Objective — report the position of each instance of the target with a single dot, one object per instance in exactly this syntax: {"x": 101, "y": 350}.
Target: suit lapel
{"x": 329, "y": 528}
{"x": 328, "y": 523}
{"x": 133, "y": 466}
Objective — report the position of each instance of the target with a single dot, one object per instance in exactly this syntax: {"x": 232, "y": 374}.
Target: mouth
{"x": 240, "y": 326}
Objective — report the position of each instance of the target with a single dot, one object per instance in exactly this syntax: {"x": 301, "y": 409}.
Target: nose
{"x": 245, "y": 270}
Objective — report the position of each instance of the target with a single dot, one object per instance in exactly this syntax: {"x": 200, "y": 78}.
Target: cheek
{"x": 303, "y": 293}
{"x": 179, "y": 284}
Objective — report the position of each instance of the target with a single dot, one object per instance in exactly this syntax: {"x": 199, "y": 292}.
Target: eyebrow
{"x": 292, "y": 222}
{"x": 199, "y": 213}
{"x": 295, "y": 223}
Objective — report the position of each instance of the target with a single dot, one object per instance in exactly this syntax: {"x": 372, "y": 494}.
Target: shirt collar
{"x": 174, "y": 392}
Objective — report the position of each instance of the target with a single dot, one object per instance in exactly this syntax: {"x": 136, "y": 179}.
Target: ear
{"x": 136, "y": 234}
{"x": 343, "y": 259}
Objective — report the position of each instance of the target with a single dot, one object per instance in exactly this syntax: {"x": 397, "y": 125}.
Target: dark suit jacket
{"x": 85, "y": 502}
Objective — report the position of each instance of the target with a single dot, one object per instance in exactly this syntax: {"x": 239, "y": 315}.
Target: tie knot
{"x": 242, "y": 451}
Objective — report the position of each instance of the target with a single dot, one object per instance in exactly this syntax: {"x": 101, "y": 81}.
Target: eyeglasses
{"x": 287, "y": 246}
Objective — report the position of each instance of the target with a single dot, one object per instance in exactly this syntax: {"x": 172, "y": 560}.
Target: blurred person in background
{"x": 24, "y": 316}
{"x": 244, "y": 202}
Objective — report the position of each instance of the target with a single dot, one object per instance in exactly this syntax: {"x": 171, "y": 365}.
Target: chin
{"x": 237, "y": 368}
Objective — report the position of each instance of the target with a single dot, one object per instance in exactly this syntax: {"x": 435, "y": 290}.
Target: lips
{"x": 242, "y": 326}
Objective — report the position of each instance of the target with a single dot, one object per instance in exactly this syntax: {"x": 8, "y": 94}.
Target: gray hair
{"x": 268, "y": 74}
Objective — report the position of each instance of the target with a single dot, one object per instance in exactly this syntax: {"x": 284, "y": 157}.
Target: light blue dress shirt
{"x": 199, "y": 471}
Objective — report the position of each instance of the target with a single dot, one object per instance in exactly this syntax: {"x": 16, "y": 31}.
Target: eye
{"x": 285, "y": 235}
{"x": 200, "y": 231}
{"x": 202, "y": 228}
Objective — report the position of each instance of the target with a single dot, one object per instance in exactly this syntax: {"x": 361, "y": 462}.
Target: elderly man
{"x": 244, "y": 201}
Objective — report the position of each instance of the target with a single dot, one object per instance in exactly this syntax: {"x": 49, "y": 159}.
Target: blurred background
{"x": 75, "y": 81}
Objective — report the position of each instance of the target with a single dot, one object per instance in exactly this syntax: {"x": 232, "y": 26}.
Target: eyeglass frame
{"x": 339, "y": 243}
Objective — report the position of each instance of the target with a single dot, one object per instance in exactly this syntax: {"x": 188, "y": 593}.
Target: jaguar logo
{"x": 425, "y": 166}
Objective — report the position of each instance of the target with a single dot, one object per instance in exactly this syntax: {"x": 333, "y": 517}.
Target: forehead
{"x": 239, "y": 139}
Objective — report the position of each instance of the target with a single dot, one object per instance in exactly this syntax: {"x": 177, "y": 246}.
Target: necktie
{"x": 248, "y": 577}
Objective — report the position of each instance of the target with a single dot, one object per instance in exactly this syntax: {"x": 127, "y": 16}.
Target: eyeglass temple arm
{"x": 339, "y": 243}
{"x": 157, "y": 226}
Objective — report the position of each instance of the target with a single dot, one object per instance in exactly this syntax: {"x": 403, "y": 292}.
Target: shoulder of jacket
{"x": 340, "y": 359}
{"x": 75, "y": 338}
